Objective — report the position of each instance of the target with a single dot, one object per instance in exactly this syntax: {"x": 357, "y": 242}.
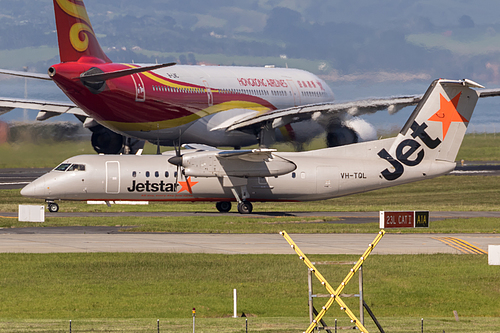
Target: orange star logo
{"x": 187, "y": 185}
{"x": 448, "y": 113}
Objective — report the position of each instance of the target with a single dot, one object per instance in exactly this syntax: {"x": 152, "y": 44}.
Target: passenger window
{"x": 147, "y": 173}
{"x": 157, "y": 174}
{"x": 134, "y": 174}
{"x": 166, "y": 174}
{"x": 293, "y": 175}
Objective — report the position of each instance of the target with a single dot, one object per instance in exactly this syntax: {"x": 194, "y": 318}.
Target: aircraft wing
{"x": 282, "y": 117}
{"x": 250, "y": 155}
{"x": 47, "y": 109}
{"x": 489, "y": 92}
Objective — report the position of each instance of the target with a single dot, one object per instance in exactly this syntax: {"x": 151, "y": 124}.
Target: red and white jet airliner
{"x": 169, "y": 104}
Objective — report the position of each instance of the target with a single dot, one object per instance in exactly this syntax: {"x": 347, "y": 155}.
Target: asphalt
{"x": 240, "y": 243}
{"x": 39, "y": 239}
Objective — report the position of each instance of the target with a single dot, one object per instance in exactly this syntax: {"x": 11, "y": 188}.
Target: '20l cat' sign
{"x": 404, "y": 219}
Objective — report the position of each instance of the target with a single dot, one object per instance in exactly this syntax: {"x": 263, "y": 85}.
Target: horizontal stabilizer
{"x": 26, "y": 74}
{"x": 97, "y": 77}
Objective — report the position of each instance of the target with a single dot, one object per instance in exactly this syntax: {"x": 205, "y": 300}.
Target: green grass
{"x": 255, "y": 324}
{"x": 268, "y": 225}
{"x": 31, "y": 155}
{"x": 475, "y": 147}
{"x": 480, "y": 147}
{"x": 107, "y": 288}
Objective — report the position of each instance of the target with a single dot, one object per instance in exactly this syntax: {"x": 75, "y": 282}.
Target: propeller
{"x": 177, "y": 159}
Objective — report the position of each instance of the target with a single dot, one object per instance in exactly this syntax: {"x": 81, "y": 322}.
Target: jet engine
{"x": 349, "y": 131}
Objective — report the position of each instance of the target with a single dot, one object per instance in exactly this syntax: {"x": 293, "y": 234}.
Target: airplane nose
{"x": 28, "y": 190}
{"x": 35, "y": 189}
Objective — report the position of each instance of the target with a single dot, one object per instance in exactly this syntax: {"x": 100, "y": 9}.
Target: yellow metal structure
{"x": 334, "y": 294}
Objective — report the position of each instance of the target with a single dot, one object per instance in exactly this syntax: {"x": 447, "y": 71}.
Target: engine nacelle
{"x": 215, "y": 164}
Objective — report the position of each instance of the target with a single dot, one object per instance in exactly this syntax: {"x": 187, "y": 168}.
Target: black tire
{"x": 245, "y": 207}
{"x": 223, "y": 206}
{"x": 53, "y": 207}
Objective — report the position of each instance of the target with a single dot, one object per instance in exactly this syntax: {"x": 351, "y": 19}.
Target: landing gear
{"x": 223, "y": 206}
{"x": 53, "y": 207}
{"x": 245, "y": 207}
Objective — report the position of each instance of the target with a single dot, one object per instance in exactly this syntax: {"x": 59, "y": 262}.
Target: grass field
{"x": 107, "y": 289}
{"x": 476, "y": 147}
{"x": 125, "y": 292}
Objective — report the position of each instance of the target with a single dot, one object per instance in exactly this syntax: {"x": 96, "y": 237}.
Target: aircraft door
{"x": 209, "y": 93}
{"x": 140, "y": 91}
{"x": 112, "y": 177}
{"x": 295, "y": 92}
{"x": 326, "y": 179}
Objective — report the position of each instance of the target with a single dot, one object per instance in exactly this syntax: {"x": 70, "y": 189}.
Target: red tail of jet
{"x": 74, "y": 32}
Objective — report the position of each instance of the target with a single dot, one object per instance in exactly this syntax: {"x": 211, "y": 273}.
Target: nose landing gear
{"x": 52, "y": 207}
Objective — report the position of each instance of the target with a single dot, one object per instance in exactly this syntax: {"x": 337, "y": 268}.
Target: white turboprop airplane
{"x": 426, "y": 147}
{"x": 212, "y": 105}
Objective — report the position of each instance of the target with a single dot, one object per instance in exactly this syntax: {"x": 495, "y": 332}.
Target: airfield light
{"x": 194, "y": 316}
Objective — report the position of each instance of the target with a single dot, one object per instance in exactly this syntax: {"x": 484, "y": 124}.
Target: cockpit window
{"x": 77, "y": 167}
{"x": 62, "y": 167}
{"x": 70, "y": 167}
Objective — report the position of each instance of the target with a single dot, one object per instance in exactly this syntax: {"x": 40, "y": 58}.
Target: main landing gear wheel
{"x": 245, "y": 207}
{"x": 53, "y": 207}
{"x": 223, "y": 206}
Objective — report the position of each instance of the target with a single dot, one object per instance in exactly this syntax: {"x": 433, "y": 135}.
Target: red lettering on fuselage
{"x": 256, "y": 82}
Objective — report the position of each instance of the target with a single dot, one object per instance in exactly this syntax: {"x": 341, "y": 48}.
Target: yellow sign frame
{"x": 334, "y": 294}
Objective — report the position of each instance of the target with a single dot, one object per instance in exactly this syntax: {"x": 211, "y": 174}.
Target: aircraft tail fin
{"x": 74, "y": 32}
{"x": 434, "y": 131}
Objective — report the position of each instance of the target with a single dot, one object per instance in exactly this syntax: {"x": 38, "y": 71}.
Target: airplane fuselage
{"x": 335, "y": 172}
{"x": 193, "y": 100}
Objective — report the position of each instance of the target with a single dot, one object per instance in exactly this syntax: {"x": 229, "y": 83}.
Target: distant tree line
{"x": 347, "y": 47}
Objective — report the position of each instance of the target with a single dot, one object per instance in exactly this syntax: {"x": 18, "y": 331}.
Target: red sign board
{"x": 410, "y": 219}
{"x": 396, "y": 220}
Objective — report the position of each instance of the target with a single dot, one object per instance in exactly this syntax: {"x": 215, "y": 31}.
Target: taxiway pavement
{"x": 237, "y": 243}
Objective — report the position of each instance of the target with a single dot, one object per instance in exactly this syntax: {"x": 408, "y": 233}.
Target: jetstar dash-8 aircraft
{"x": 426, "y": 147}
{"x": 168, "y": 103}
